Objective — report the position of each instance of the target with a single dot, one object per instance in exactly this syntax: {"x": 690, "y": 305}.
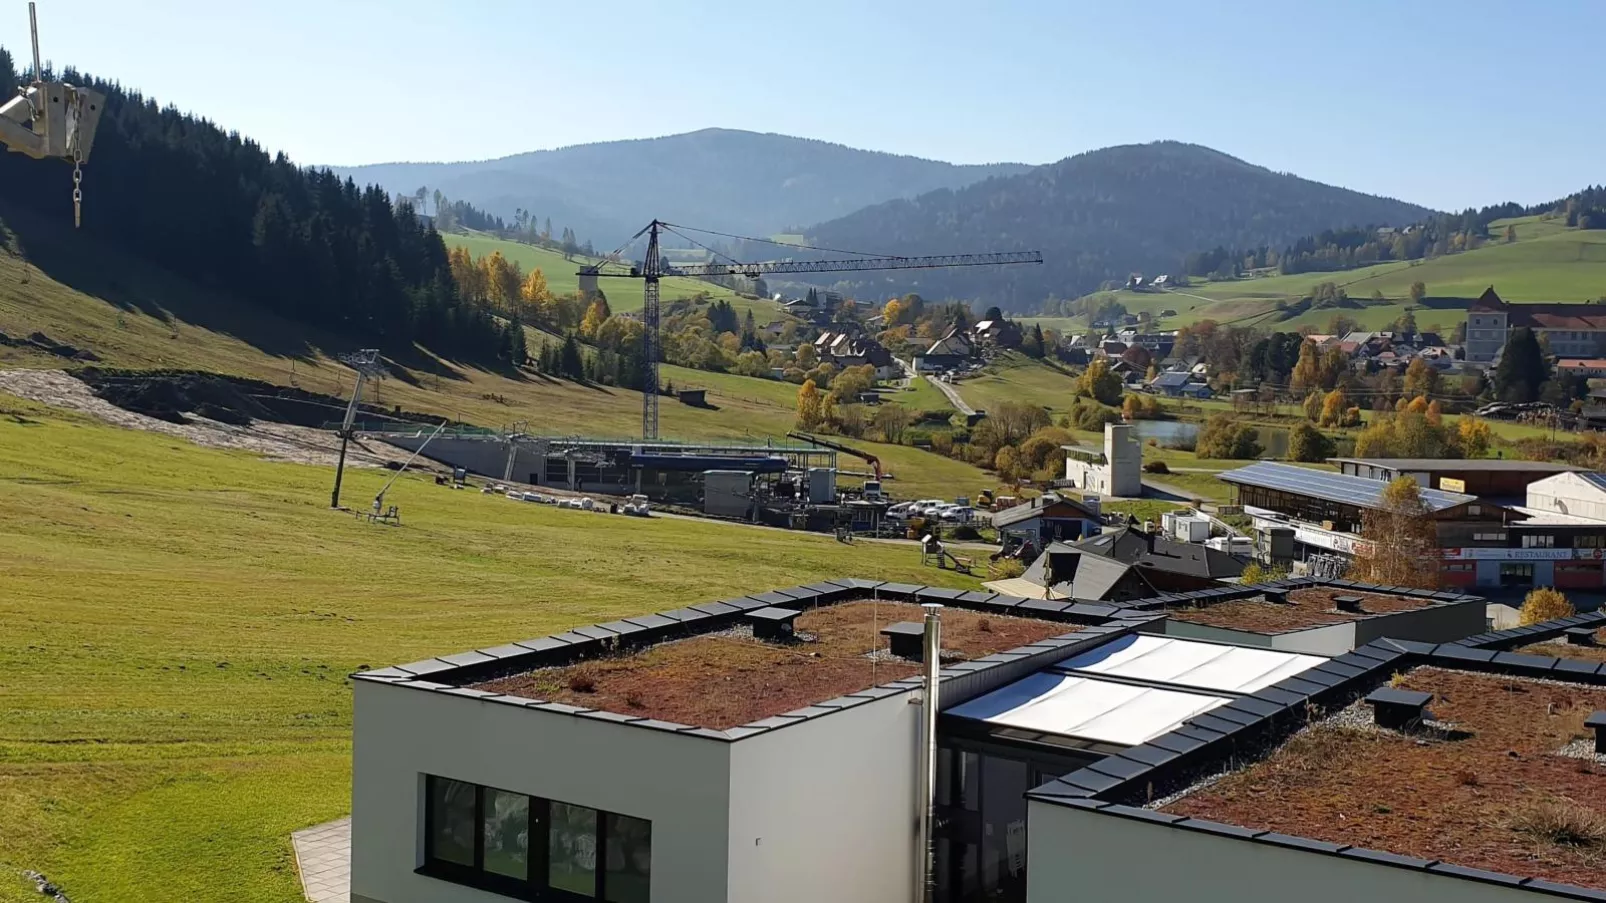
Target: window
{"x": 1542, "y": 541}
{"x": 1592, "y": 541}
{"x": 1489, "y": 537}
{"x": 532, "y": 848}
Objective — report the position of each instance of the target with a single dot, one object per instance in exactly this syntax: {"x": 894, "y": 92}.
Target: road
{"x": 953, "y": 396}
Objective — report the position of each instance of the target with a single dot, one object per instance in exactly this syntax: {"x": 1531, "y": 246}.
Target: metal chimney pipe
{"x": 925, "y": 857}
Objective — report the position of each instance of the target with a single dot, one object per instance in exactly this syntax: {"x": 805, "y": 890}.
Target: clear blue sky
{"x": 1447, "y": 103}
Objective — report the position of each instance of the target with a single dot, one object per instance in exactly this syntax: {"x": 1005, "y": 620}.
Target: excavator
{"x": 872, "y": 488}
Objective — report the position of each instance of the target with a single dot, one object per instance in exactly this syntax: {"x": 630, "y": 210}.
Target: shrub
{"x": 1223, "y": 437}
{"x": 1309, "y": 444}
{"x": 1545, "y": 604}
{"x": 1563, "y": 822}
{"x": 1255, "y": 572}
{"x": 1155, "y": 467}
{"x": 966, "y": 532}
{"x": 1010, "y": 568}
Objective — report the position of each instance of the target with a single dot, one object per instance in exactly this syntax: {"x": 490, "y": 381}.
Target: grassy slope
{"x": 623, "y": 294}
{"x": 1548, "y": 262}
{"x": 134, "y": 315}
{"x": 1015, "y": 377}
{"x": 177, "y": 705}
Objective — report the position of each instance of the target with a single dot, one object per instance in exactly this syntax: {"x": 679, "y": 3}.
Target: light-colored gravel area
{"x": 272, "y": 441}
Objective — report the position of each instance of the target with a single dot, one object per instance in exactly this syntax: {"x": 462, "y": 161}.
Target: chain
{"x": 77, "y": 193}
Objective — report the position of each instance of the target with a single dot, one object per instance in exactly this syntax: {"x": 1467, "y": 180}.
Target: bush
{"x": 1309, "y": 444}
{"x": 1545, "y": 604}
{"x": 1255, "y": 572}
{"x": 1155, "y": 467}
{"x": 1009, "y": 568}
{"x": 1091, "y": 416}
{"x": 966, "y": 532}
{"x": 1223, "y": 437}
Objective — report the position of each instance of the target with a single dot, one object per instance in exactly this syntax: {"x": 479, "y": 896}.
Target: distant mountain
{"x": 731, "y": 181}
{"x": 1097, "y": 216}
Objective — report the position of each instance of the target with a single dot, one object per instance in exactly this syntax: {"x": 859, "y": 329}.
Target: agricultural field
{"x": 144, "y": 318}
{"x": 623, "y": 294}
{"x": 1548, "y": 262}
{"x": 180, "y": 705}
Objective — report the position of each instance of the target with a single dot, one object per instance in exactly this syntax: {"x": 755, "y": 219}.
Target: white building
{"x": 1116, "y": 471}
{"x": 471, "y": 784}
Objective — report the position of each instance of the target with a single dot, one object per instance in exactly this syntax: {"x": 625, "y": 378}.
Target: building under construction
{"x": 748, "y": 475}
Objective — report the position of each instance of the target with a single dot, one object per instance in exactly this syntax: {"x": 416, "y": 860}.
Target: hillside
{"x": 129, "y": 313}
{"x": 1548, "y": 262}
{"x": 1098, "y": 216}
{"x": 725, "y": 179}
{"x": 623, "y": 294}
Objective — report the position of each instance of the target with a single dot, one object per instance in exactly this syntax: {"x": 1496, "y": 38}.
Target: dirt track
{"x": 273, "y": 441}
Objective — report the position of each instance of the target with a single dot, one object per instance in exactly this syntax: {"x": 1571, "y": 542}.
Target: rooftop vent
{"x": 1351, "y": 604}
{"x": 1278, "y": 596}
{"x": 906, "y": 638}
{"x": 1580, "y": 636}
{"x": 1597, "y": 722}
{"x": 1398, "y": 709}
{"x": 773, "y": 624}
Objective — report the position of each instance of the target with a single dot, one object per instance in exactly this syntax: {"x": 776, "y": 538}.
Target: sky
{"x": 1446, "y": 103}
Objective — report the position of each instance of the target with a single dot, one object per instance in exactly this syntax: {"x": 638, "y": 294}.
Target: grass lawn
{"x": 623, "y": 294}
{"x": 920, "y": 395}
{"x": 180, "y": 621}
{"x": 1016, "y": 377}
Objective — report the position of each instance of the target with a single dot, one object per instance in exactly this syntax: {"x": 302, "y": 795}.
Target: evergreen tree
{"x": 1523, "y": 370}
{"x": 518, "y": 350}
{"x": 570, "y": 362}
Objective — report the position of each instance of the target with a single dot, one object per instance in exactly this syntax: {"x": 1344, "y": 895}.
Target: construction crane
{"x": 654, "y": 268}
{"x": 52, "y": 119}
{"x": 866, "y": 457}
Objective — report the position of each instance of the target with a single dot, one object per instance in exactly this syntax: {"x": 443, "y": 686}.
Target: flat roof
{"x": 1362, "y": 492}
{"x": 1561, "y": 648}
{"x": 1088, "y": 709}
{"x": 728, "y": 678}
{"x": 1435, "y": 465}
{"x": 1500, "y": 779}
{"x": 1191, "y": 663}
{"x": 1299, "y": 609}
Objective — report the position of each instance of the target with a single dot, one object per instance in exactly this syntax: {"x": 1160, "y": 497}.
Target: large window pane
{"x": 629, "y": 865}
{"x": 451, "y": 820}
{"x": 507, "y": 834}
{"x": 572, "y": 849}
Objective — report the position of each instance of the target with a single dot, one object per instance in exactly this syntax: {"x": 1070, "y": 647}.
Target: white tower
{"x": 1125, "y": 456}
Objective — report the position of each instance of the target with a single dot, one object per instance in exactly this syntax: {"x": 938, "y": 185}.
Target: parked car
{"x": 960, "y": 514}
{"x": 899, "y": 511}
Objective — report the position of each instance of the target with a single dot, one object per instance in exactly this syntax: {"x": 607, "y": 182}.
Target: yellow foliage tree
{"x": 1313, "y": 406}
{"x": 1435, "y": 413}
{"x": 810, "y": 405}
{"x": 1420, "y": 379}
{"x": 892, "y": 314}
{"x": 468, "y": 274}
{"x": 1400, "y": 535}
{"x": 1308, "y": 371}
{"x": 1333, "y": 404}
{"x": 503, "y": 279}
{"x": 535, "y": 294}
{"x": 1418, "y": 405}
{"x": 1544, "y": 604}
{"x": 1007, "y": 462}
{"x": 596, "y": 315}
{"x": 1474, "y": 436}
{"x": 1129, "y": 408}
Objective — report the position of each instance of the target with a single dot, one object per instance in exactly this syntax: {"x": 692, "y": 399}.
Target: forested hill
{"x": 1099, "y": 216}
{"x": 215, "y": 208}
{"x": 735, "y": 181}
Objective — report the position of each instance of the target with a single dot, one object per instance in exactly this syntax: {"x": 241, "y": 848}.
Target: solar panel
{"x": 1189, "y": 663}
{"x": 1087, "y": 708}
{"x": 1334, "y": 487}
{"x": 1598, "y": 480}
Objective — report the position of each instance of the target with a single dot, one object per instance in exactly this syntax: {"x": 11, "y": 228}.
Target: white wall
{"x": 1125, "y": 454}
{"x": 825, "y": 810}
{"x": 680, "y": 783}
{"x": 1078, "y": 856}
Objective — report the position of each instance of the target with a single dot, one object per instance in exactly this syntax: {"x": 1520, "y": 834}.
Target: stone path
{"x": 953, "y": 396}
{"x": 323, "y": 857}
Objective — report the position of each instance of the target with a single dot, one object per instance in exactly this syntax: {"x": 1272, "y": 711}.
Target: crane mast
{"x": 653, "y": 269}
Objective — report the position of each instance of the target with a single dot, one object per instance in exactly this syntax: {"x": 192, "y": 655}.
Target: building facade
{"x": 1116, "y": 471}
{"x": 1571, "y": 330}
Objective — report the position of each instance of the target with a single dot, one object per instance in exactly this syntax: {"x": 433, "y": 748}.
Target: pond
{"x": 1184, "y": 433}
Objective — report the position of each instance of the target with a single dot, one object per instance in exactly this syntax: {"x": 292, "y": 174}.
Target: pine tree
{"x": 570, "y": 362}
{"x": 1522, "y": 371}
{"x": 518, "y": 349}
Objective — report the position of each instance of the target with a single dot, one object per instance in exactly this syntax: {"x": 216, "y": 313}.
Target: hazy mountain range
{"x": 1095, "y": 216}
{"x": 733, "y": 181}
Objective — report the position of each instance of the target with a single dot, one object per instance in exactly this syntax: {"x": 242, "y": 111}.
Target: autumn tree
{"x": 1511, "y": 234}
{"x": 1100, "y": 383}
{"x": 810, "y": 406}
{"x": 891, "y": 420}
{"x": 1420, "y": 378}
{"x": 1435, "y": 413}
{"x": 503, "y": 280}
{"x": 1474, "y": 436}
{"x": 1307, "y": 443}
{"x": 1306, "y": 374}
{"x": 1418, "y": 292}
{"x": 1333, "y": 405}
{"x": 892, "y": 313}
{"x": 535, "y": 294}
{"x": 1007, "y": 462}
{"x": 1400, "y": 536}
{"x": 1544, "y": 604}
{"x": 1313, "y": 406}
{"x": 596, "y": 314}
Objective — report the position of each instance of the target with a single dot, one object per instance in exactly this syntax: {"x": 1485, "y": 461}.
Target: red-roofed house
{"x": 1572, "y": 330}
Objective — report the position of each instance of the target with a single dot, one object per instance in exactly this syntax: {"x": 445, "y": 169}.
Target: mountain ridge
{"x": 1099, "y": 216}
{"x": 727, "y": 179}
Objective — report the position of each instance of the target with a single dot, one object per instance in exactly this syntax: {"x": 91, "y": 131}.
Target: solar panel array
{"x": 1333, "y": 487}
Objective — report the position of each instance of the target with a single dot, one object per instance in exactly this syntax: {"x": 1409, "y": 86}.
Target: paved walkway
{"x": 953, "y": 395}
{"x": 323, "y": 857}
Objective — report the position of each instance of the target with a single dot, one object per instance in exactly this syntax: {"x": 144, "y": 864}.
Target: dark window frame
{"x": 534, "y": 887}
